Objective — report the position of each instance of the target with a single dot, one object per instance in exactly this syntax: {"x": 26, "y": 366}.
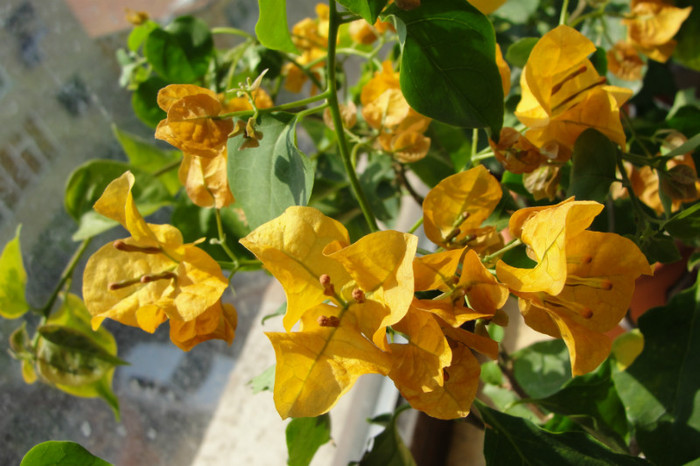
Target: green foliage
{"x": 272, "y": 176}
{"x": 659, "y": 390}
{"x": 512, "y": 440}
{"x": 594, "y": 164}
{"x": 305, "y": 435}
{"x": 388, "y": 449}
{"x": 461, "y": 85}
{"x": 181, "y": 51}
{"x": 13, "y": 280}
{"x": 144, "y": 103}
{"x": 54, "y": 453}
{"x": 264, "y": 381}
{"x": 368, "y": 9}
{"x": 542, "y": 368}
{"x": 271, "y": 29}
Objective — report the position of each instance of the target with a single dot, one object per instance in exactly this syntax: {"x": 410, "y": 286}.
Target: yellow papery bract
{"x": 418, "y": 364}
{"x": 109, "y": 265}
{"x": 191, "y": 128}
{"x": 291, "y": 248}
{"x": 562, "y": 93}
{"x": 317, "y": 366}
{"x": 118, "y": 204}
{"x": 387, "y": 110}
{"x": 484, "y": 293}
{"x": 652, "y": 25}
{"x": 174, "y": 92}
{"x": 487, "y": 6}
{"x": 503, "y": 70}
{"x": 483, "y": 345}
{"x": 454, "y": 398}
{"x": 436, "y": 271}
{"x": 217, "y": 322}
{"x": 461, "y": 201}
{"x": 451, "y": 310}
{"x": 200, "y": 284}
{"x": 545, "y": 231}
{"x": 380, "y": 265}
{"x": 205, "y": 180}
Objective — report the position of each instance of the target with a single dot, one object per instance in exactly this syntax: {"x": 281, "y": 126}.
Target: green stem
{"x": 338, "y": 122}
{"x": 167, "y": 168}
{"x": 232, "y": 31}
{"x": 416, "y": 225}
{"x": 276, "y": 108}
{"x": 222, "y": 238}
{"x": 564, "y": 12}
{"x": 475, "y": 143}
{"x": 513, "y": 244}
{"x": 65, "y": 276}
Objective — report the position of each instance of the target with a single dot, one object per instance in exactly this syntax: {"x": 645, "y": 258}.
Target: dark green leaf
{"x": 659, "y": 390}
{"x": 181, "y": 52}
{"x": 272, "y": 28}
{"x": 388, "y": 449}
{"x": 599, "y": 59}
{"x": 75, "y": 341}
{"x": 693, "y": 261}
{"x": 507, "y": 401}
{"x": 448, "y": 64}
{"x": 451, "y": 141}
{"x": 689, "y": 146}
{"x": 517, "y": 257}
{"x": 594, "y": 163}
{"x": 542, "y": 368}
{"x": 55, "y": 453}
{"x": 688, "y": 49}
{"x": 519, "y": 51}
{"x": 378, "y": 182}
{"x": 304, "y": 437}
{"x": 264, "y": 381}
{"x": 686, "y": 120}
{"x": 19, "y": 340}
{"x": 513, "y": 441}
{"x": 144, "y": 155}
{"x": 368, "y": 9}
{"x": 685, "y": 224}
{"x": 13, "y": 280}
{"x": 267, "y": 179}
{"x": 144, "y": 101}
{"x": 593, "y": 400}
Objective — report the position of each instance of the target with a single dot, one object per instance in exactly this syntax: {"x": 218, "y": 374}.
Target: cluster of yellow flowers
{"x": 344, "y": 297}
{"x": 651, "y": 25}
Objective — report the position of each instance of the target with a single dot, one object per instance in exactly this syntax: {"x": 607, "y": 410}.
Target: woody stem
{"x": 338, "y": 122}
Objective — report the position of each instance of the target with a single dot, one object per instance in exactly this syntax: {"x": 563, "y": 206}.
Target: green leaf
{"x": 685, "y": 224}
{"x": 378, "y": 181}
{"x": 264, "y": 381}
{"x": 20, "y": 343}
{"x": 304, "y": 437}
{"x": 388, "y": 448}
{"x": 689, "y": 146}
{"x": 688, "y": 49}
{"x": 448, "y": 65}
{"x": 542, "y": 368}
{"x": 55, "y": 453}
{"x": 659, "y": 390}
{"x": 368, "y": 9}
{"x": 272, "y": 29}
{"x": 13, "y": 280}
{"x": 280, "y": 311}
{"x": 267, "y": 179}
{"x": 519, "y": 51}
{"x": 181, "y": 52}
{"x": 451, "y": 141}
{"x": 512, "y": 441}
{"x": 507, "y": 401}
{"x": 74, "y": 315}
{"x": 76, "y": 342}
{"x": 594, "y": 163}
{"x": 144, "y": 155}
{"x": 518, "y": 12}
{"x": 144, "y": 101}
{"x": 593, "y": 401}
{"x": 138, "y": 35}
{"x": 87, "y": 183}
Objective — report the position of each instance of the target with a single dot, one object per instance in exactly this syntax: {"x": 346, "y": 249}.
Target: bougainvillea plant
{"x": 550, "y": 169}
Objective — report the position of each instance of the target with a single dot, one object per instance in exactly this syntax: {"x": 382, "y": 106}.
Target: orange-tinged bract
{"x": 562, "y": 94}
{"x": 582, "y": 284}
{"x": 651, "y": 26}
{"x": 455, "y": 208}
{"x": 151, "y": 276}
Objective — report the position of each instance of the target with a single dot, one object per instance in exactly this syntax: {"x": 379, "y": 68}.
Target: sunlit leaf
{"x": 304, "y": 437}
{"x": 61, "y": 454}
{"x": 13, "y": 280}
{"x": 267, "y": 179}
{"x": 272, "y": 28}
